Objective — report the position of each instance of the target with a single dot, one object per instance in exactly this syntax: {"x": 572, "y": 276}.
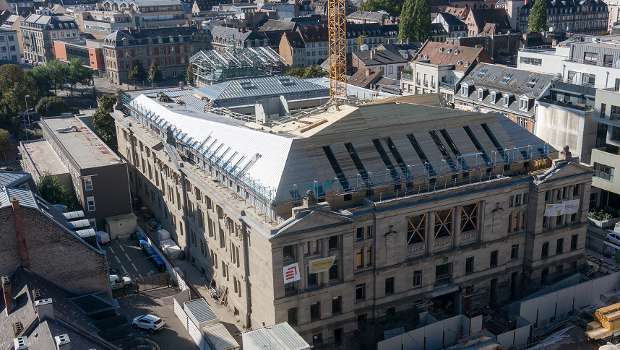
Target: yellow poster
{"x": 321, "y": 265}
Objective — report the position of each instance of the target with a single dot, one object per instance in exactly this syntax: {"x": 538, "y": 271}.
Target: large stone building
{"x": 39, "y": 32}
{"x": 590, "y": 16}
{"x": 332, "y": 220}
{"x": 168, "y": 48}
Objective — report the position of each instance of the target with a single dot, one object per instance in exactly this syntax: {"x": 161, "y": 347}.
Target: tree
{"x": 537, "y": 21}
{"x": 154, "y": 74}
{"x": 136, "y": 73}
{"x": 5, "y": 144}
{"x": 103, "y": 122}
{"x": 422, "y": 20}
{"x": 77, "y": 73}
{"x": 189, "y": 76}
{"x": 53, "y": 191}
{"x": 393, "y": 7}
{"x": 15, "y": 86}
{"x": 306, "y": 72}
{"x": 406, "y": 28}
{"x": 50, "y": 105}
{"x": 57, "y": 73}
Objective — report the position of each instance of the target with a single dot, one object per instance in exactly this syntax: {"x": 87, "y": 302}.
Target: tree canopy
{"x": 136, "y": 73}
{"x": 53, "y": 191}
{"x": 189, "y": 75}
{"x": 537, "y": 20}
{"x": 5, "y": 144}
{"x": 306, "y": 72}
{"x": 393, "y": 7}
{"x": 15, "y": 86}
{"x": 415, "y": 21}
{"x": 103, "y": 122}
{"x": 154, "y": 74}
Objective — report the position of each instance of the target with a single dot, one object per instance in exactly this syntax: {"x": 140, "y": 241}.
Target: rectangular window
{"x": 417, "y": 278}
{"x": 590, "y": 58}
{"x": 90, "y": 203}
{"x": 493, "y": 260}
{"x": 614, "y": 113}
{"x": 514, "y": 252}
{"x": 360, "y": 292}
{"x": 333, "y": 242}
{"x": 389, "y": 286}
{"x": 334, "y": 271}
{"x": 359, "y": 233}
{"x": 443, "y": 273}
{"x": 588, "y": 79}
{"x": 313, "y": 279}
{"x": 315, "y": 311}
{"x": 416, "y": 229}
{"x": 88, "y": 183}
{"x": 608, "y": 60}
{"x": 338, "y": 336}
{"x": 559, "y": 246}
{"x": 292, "y": 316}
{"x": 603, "y": 171}
{"x": 288, "y": 252}
{"x": 359, "y": 259}
{"x": 544, "y": 252}
{"x": 469, "y": 265}
{"x": 336, "y": 305}
{"x": 573, "y": 242}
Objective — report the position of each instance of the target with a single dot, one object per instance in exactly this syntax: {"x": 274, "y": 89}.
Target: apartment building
{"x": 39, "y": 32}
{"x": 88, "y": 52}
{"x": 606, "y": 156}
{"x": 9, "y": 46}
{"x": 592, "y": 61}
{"x": 331, "y": 220}
{"x": 98, "y": 176}
{"x": 590, "y": 16}
{"x": 437, "y": 68}
{"x": 169, "y": 48}
{"x": 147, "y": 14}
{"x": 509, "y": 91}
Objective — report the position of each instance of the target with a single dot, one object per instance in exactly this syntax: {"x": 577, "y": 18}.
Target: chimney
{"x": 7, "y": 294}
{"x": 18, "y": 221}
{"x": 20, "y": 343}
{"x": 45, "y": 309}
{"x": 309, "y": 200}
{"x": 63, "y": 342}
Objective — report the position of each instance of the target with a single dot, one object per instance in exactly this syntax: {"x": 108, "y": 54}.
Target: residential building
{"x": 437, "y": 33}
{"x": 488, "y": 21}
{"x": 339, "y": 219}
{"x": 13, "y": 22}
{"x": 453, "y": 26}
{"x": 509, "y": 91}
{"x": 88, "y": 52}
{"x": 39, "y": 32}
{"x": 263, "y": 97}
{"x": 100, "y": 23}
{"x": 564, "y": 118}
{"x": 168, "y": 48}
{"x": 613, "y": 7}
{"x": 437, "y": 68}
{"x": 501, "y": 48}
{"x": 236, "y": 38}
{"x": 148, "y": 14}
{"x": 215, "y": 66}
{"x": 9, "y": 46}
{"x": 377, "y": 67}
{"x": 581, "y": 60}
{"x": 274, "y": 29}
{"x": 606, "y": 156}
{"x": 570, "y": 16}
{"x": 98, "y": 176}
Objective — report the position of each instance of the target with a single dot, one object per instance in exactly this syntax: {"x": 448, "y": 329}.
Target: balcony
{"x": 468, "y": 237}
{"x": 416, "y": 249}
{"x": 442, "y": 243}
{"x": 443, "y": 280}
{"x": 605, "y": 160}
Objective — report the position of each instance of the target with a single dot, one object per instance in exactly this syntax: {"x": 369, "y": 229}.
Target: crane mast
{"x": 337, "y": 29}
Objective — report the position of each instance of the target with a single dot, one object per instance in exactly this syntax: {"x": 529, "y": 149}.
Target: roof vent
{"x": 20, "y": 343}
{"x": 63, "y": 342}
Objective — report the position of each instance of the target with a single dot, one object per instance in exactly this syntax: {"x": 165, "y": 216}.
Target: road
{"x": 127, "y": 257}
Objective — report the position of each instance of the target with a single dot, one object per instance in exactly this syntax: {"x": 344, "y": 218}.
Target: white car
{"x": 117, "y": 282}
{"x": 613, "y": 237}
{"x": 148, "y": 322}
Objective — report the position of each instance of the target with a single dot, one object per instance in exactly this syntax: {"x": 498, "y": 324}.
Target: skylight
{"x": 506, "y": 79}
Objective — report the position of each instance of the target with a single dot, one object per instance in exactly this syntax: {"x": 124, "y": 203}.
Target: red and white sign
{"x": 290, "y": 273}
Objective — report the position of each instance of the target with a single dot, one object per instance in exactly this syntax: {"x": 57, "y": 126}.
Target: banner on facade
{"x": 321, "y": 265}
{"x": 564, "y": 208}
{"x": 290, "y": 273}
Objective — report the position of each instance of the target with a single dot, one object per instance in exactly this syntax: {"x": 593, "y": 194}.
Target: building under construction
{"x": 214, "y": 66}
{"x": 344, "y": 221}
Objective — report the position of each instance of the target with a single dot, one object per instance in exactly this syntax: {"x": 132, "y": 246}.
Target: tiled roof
{"x": 497, "y": 16}
{"x": 275, "y": 25}
{"x": 379, "y": 57}
{"x": 462, "y": 57}
{"x": 13, "y": 178}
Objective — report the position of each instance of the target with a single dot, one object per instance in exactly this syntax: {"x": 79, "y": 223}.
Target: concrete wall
{"x": 434, "y": 336}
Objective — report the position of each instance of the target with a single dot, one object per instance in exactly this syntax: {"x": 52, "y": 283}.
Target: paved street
{"x": 127, "y": 257}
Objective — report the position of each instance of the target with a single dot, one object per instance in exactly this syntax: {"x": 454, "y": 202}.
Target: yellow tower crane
{"x": 337, "y": 25}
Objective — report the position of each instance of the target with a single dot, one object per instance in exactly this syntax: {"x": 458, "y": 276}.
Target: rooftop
{"x": 44, "y": 158}
{"x": 13, "y": 178}
{"x": 80, "y": 142}
{"x": 280, "y": 336}
{"x": 461, "y": 57}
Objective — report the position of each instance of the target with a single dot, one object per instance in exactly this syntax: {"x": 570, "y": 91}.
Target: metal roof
{"x": 89, "y": 232}
{"x": 200, "y": 312}
{"x": 25, "y": 197}
{"x": 13, "y": 178}
{"x": 219, "y": 338}
{"x": 261, "y": 87}
{"x": 79, "y": 223}
{"x": 78, "y": 214}
{"x": 280, "y": 336}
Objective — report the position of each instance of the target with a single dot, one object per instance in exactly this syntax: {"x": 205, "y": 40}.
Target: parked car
{"x": 118, "y": 282}
{"x": 149, "y": 322}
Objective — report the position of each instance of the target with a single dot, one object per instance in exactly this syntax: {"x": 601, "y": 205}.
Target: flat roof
{"x": 80, "y": 143}
{"x": 44, "y": 158}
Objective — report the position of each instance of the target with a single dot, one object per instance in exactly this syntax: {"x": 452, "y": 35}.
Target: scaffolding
{"x": 213, "y": 66}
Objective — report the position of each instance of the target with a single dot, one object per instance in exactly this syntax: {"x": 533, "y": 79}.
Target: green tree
{"x": 103, "y": 122}
{"x": 422, "y": 20}
{"x": 154, "y": 74}
{"x": 53, "y": 191}
{"x": 57, "y": 73}
{"x": 537, "y": 21}
{"x": 306, "y": 72}
{"x": 393, "y": 7}
{"x": 50, "y": 105}
{"x": 189, "y": 75}
{"x": 15, "y": 86}
{"x": 77, "y": 73}
{"x": 5, "y": 144}
{"x": 136, "y": 73}
{"x": 406, "y": 28}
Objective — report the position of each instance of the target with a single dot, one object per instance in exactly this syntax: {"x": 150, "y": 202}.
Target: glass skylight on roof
{"x": 506, "y": 79}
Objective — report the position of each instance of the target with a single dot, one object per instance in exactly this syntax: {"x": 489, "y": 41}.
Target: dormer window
{"x": 524, "y": 103}
{"x": 506, "y": 100}
{"x": 493, "y": 97}
{"x": 480, "y": 94}
{"x": 464, "y": 90}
